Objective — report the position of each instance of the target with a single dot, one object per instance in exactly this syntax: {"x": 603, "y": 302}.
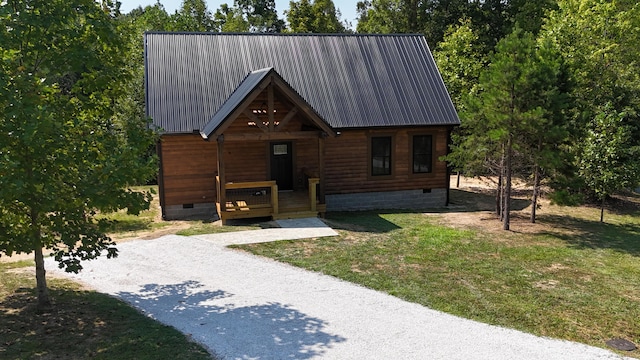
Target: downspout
{"x": 160, "y": 178}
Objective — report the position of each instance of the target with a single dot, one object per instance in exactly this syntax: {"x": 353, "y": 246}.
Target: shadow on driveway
{"x": 267, "y": 331}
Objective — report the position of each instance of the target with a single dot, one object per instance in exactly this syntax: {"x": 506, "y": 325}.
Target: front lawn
{"x": 566, "y": 277}
{"x": 81, "y": 325}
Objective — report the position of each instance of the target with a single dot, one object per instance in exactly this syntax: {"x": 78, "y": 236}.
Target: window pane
{"x": 422, "y": 153}
{"x": 381, "y": 146}
{"x": 381, "y": 155}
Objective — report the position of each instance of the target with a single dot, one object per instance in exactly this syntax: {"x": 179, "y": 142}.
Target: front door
{"x": 282, "y": 164}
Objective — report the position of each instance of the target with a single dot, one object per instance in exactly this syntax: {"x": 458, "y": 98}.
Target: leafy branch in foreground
{"x": 65, "y": 153}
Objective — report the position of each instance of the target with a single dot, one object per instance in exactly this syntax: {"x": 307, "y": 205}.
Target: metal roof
{"x": 351, "y": 81}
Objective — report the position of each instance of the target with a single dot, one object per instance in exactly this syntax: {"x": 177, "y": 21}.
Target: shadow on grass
{"x": 129, "y": 225}
{"x": 363, "y": 221}
{"x": 373, "y": 221}
{"x": 84, "y": 324}
{"x": 478, "y": 200}
{"x": 588, "y": 234}
{"x": 270, "y": 330}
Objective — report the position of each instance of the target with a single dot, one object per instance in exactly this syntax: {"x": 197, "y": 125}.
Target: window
{"x": 381, "y": 155}
{"x": 422, "y": 154}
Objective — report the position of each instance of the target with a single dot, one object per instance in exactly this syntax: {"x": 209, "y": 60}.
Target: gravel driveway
{"x": 244, "y": 307}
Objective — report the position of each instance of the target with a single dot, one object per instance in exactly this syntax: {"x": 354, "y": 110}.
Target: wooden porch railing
{"x": 313, "y": 188}
{"x": 260, "y": 198}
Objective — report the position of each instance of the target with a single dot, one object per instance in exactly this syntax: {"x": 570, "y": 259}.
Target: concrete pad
{"x": 290, "y": 230}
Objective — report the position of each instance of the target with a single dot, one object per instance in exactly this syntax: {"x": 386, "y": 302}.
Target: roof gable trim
{"x": 253, "y": 84}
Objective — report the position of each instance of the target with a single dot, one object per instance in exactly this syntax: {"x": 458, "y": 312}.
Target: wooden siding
{"x": 188, "y": 169}
{"x": 347, "y": 162}
{"x": 246, "y": 161}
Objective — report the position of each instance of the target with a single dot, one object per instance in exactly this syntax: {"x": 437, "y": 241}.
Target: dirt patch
{"x": 473, "y": 206}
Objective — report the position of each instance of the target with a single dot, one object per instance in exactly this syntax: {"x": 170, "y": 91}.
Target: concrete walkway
{"x": 244, "y": 307}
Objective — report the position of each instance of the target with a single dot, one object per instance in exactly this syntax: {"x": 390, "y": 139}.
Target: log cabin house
{"x": 295, "y": 125}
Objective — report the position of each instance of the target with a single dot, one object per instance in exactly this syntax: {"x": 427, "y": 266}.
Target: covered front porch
{"x": 262, "y": 199}
{"x": 270, "y": 152}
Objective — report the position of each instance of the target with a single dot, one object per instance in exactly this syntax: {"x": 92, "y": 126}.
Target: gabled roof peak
{"x": 254, "y": 83}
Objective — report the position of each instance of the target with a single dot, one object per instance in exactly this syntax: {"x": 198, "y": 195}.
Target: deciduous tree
{"x": 609, "y": 152}
{"x": 316, "y": 16}
{"x": 600, "y": 42}
{"x": 64, "y": 154}
{"x": 193, "y": 15}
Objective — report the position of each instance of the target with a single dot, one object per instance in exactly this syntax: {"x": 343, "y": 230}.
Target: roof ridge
{"x": 282, "y": 34}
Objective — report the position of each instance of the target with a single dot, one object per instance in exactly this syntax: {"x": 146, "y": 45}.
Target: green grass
{"x": 128, "y": 225}
{"x": 81, "y": 324}
{"x": 576, "y": 280}
{"x": 207, "y": 227}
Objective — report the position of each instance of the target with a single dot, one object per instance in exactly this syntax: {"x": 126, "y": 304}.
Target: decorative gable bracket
{"x": 239, "y": 102}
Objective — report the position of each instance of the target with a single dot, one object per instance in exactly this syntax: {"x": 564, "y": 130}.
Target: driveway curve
{"x": 242, "y": 306}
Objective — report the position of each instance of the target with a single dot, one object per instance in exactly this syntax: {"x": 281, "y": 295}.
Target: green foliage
{"x": 514, "y": 122}
{"x": 230, "y": 19}
{"x": 249, "y": 16}
{"x": 460, "y": 62}
{"x": 65, "y": 152}
{"x": 609, "y": 154}
{"x": 382, "y": 17}
{"x": 261, "y": 15}
{"x": 317, "y": 16}
{"x": 564, "y": 197}
{"x": 193, "y": 15}
{"x": 600, "y": 42}
{"x": 491, "y": 20}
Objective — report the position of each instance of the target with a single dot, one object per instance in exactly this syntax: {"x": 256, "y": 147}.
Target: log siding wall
{"x": 347, "y": 162}
{"x": 188, "y": 170}
{"x": 189, "y": 164}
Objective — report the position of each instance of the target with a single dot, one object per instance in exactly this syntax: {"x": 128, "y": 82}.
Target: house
{"x": 295, "y": 125}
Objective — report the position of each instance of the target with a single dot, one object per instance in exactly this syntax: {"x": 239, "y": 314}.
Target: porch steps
{"x": 295, "y": 215}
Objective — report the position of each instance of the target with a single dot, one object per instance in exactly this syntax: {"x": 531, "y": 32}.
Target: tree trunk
{"x": 536, "y": 189}
{"x": 602, "y": 209}
{"x": 506, "y": 211}
{"x": 41, "y": 281}
{"x": 458, "y": 180}
{"x": 499, "y": 197}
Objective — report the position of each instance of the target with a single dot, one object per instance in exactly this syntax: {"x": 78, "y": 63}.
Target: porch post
{"x": 270, "y": 107}
{"x": 222, "y": 195}
{"x": 321, "y": 138}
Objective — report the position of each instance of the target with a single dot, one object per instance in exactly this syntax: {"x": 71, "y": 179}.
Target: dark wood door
{"x": 282, "y": 165}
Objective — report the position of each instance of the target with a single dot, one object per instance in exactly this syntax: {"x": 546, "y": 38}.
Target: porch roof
{"x": 253, "y": 83}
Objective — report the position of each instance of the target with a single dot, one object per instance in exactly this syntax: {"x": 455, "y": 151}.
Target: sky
{"x": 347, "y": 7}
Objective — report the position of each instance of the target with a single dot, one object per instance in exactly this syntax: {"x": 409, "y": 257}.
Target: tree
{"x": 460, "y": 61}
{"x": 64, "y": 154}
{"x": 387, "y": 16}
{"x": 608, "y": 150}
{"x": 509, "y": 104}
{"x": 150, "y": 18}
{"x": 193, "y": 15}
{"x": 600, "y": 42}
{"x": 249, "y": 16}
{"x": 319, "y": 16}
{"x": 261, "y": 15}
{"x": 230, "y": 19}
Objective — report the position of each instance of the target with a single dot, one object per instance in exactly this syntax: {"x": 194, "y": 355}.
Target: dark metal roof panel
{"x": 352, "y": 81}
{"x": 241, "y": 92}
